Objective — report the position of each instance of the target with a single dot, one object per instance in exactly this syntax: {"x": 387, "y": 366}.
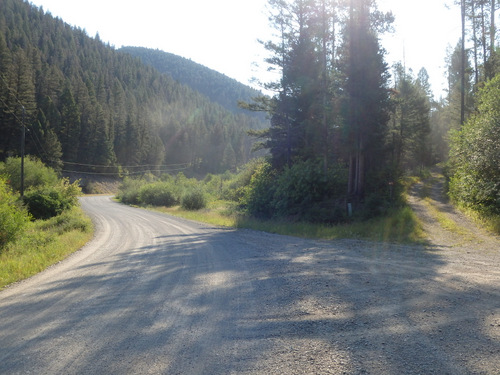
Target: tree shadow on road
{"x": 218, "y": 302}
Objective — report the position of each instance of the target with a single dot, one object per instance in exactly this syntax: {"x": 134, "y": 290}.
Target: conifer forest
{"x": 90, "y": 108}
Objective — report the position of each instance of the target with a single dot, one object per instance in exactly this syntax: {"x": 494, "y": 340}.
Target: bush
{"x": 129, "y": 191}
{"x": 194, "y": 200}
{"x": 69, "y": 220}
{"x": 157, "y": 194}
{"x": 36, "y": 174}
{"x": 236, "y": 186}
{"x": 49, "y": 201}
{"x": 302, "y": 192}
{"x": 13, "y": 217}
{"x": 165, "y": 192}
{"x": 305, "y": 186}
{"x": 474, "y": 163}
{"x": 258, "y": 196}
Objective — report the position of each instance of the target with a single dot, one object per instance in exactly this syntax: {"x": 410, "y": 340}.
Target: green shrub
{"x": 129, "y": 191}
{"x": 301, "y": 192}
{"x": 474, "y": 165}
{"x": 36, "y": 174}
{"x": 157, "y": 194}
{"x": 235, "y": 186}
{"x": 49, "y": 201}
{"x": 305, "y": 187}
{"x": 72, "y": 219}
{"x": 258, "y": 196}
{"x": 13, "y": 217}
{"x": 194, "y": 200}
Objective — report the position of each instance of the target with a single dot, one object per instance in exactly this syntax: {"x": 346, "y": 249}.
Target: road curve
{"x": 152, "y": 294}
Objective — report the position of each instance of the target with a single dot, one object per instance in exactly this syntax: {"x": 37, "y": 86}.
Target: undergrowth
{"x": 253, "y": 198}
{"x": 44, "y": 243}
{"x": 489, "y": 221}
{"x": 400, "y": 225}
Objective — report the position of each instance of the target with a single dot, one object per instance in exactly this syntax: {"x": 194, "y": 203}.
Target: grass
{"x": 399, "y": 226}
{"x": 490, "y": 222}
{"x": 44, "y": 243}
{"x": 443, "y": 219}
{"x": 220, "y": 213}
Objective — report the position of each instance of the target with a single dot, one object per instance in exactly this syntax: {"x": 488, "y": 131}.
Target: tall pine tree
{"x": 367, "y": 99}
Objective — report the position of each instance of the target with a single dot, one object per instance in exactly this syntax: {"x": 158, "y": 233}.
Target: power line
{"x": 37, "y": 143}
{"x": 126, "y": 173}
{"x": 11, "y": 91}
{"x": 12, "y": 112}
{"x": 31, "y": 133}
{"x": 129, "y": 166}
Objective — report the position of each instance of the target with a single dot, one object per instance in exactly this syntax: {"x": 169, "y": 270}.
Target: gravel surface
{"x": 152, "y": 294}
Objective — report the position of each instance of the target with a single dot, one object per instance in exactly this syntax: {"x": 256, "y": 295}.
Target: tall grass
{"x": 44, "y": 243}
{"x": 486, "y": 220}
{"x": 400, "y": 225}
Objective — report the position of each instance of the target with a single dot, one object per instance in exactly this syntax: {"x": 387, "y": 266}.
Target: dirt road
{"x": 153, "y": 294}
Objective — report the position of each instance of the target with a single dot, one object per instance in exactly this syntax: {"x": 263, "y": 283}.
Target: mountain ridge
{"x": 218, "y": 87}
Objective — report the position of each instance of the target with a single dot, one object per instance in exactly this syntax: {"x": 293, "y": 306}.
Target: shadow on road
{"x": 219, "y": 302}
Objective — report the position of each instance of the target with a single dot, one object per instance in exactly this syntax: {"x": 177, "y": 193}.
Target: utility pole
{"x": 23, "y": 139}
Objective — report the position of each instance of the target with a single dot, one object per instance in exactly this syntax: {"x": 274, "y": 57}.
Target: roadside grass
{"x": 45, "y": 242}
{"x": 219, "y": 213}
{"x": 490, "y": 222}
{"x": 399, "y": 226}
{"x": 443, "y": 219}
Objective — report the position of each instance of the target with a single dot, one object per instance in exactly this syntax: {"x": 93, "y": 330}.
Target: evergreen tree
{"x": 367, "y": 98}
{"x": 475, "y": 154}
{"x": 300, "y": 111}
{"x": 50, "y": 144}
{"x": 69, "y": 126}
{"x": 5, "y": 100}
{"x": 324, "y": 91}
{"x": 455, "y": 84}
{"x": 411, "y": 120}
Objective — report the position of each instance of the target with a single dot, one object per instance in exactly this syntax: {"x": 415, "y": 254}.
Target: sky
{"x": 223, "y": 34}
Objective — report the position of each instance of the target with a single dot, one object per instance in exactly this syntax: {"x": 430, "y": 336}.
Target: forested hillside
{"x": 216, "y": 86}
{"x": 90, "y": 108}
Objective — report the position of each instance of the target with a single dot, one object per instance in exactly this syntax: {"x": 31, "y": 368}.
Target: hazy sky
{"x": 222, "y": 34}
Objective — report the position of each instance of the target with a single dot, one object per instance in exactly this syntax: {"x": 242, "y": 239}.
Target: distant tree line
{"x": 90, "y": 108}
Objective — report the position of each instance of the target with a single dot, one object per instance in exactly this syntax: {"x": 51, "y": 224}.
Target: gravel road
{"x": 152, "y": 294}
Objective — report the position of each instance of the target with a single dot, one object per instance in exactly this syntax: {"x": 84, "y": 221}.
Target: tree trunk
{"x": 474, "y": 37}
{"x": 462, "y": 73}
{"x": 361, "y": 171}
{"x": 324, "y": 89}
{"x": 350, "y": 181}
{"x": 483, "y": 36}
{"x": 492, "y": 29}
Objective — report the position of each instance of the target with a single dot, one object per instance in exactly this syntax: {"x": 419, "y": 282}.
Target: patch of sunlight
{"x": 444, "y": 220}
{"x": 218, "y": 280}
